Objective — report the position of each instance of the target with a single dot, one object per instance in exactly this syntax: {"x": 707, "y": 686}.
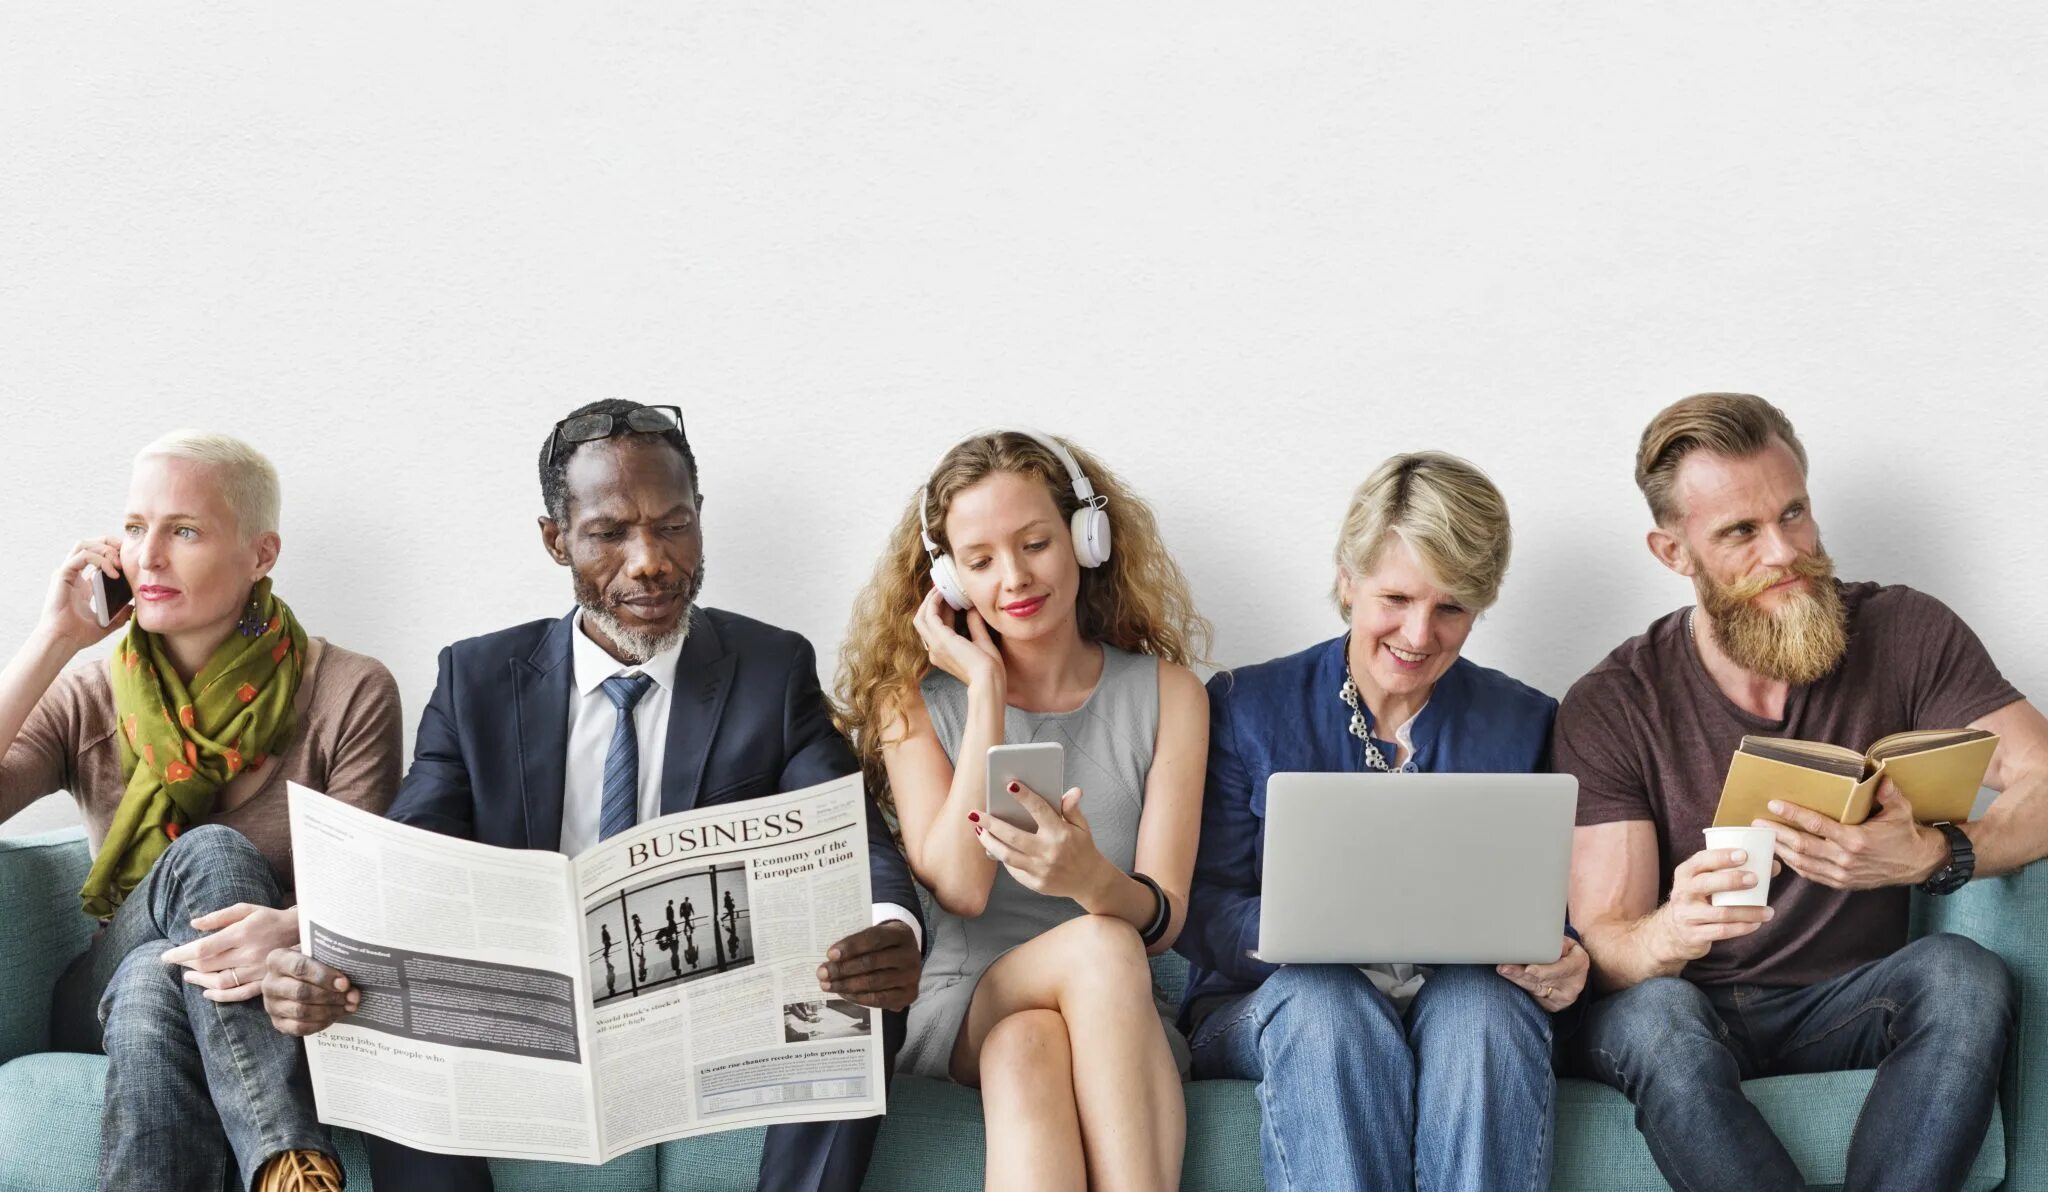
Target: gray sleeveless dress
{"x": 1109, "y": 742}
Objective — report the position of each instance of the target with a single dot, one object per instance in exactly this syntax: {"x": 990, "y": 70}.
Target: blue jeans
{"x": 195, "y": 1089}
{"x": 1933, "y": 1018}
{"x": 1459, "y": 1095}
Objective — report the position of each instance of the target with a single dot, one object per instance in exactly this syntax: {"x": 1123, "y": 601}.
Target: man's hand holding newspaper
{"x": 709, "y": 970}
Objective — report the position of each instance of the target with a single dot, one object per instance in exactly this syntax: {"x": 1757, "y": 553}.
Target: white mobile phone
{"x": 1042, "y": 767}
{"x": 106, "y": 594}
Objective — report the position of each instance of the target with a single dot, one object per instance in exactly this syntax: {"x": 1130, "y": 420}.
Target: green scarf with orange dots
{"x": 180, "y": 745}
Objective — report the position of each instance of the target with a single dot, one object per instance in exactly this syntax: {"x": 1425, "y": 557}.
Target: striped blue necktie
{"x": 621, "y": 808}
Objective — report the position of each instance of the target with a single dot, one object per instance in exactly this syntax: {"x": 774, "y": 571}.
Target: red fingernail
{"x": 974, "y": 817}
{"x": 977, "y": 831}
{"x": 1013, "y": 788}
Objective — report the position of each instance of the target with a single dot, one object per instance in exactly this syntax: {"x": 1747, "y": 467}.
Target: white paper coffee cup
{"x": 1759, "y": 844}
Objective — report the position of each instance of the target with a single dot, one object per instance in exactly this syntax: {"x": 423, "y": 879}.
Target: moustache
{"x": 1809, "y": 567}
{"x": 683, "y": 588}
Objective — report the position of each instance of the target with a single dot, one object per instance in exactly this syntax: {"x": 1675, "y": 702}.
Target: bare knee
{"x": 1028, "y": 1049}
{"x": 1097, "y": 950}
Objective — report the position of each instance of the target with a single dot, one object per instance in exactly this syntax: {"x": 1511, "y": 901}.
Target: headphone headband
{"x": 924, "y": 524}
{"x": 1075, "y": 475}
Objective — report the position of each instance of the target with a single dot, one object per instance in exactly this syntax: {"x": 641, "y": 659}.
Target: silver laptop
{"x": 1426, "y": 868}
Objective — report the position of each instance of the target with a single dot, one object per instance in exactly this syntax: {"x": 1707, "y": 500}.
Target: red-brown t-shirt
{"x": 1649, "y": 737}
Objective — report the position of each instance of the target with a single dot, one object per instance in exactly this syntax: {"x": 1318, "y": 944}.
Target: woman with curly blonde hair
{"x": 1037, "y": 989}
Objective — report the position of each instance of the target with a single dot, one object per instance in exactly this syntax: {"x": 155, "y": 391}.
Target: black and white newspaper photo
{"x": 519, "y": 1003}
{"x": 693, "y": 923}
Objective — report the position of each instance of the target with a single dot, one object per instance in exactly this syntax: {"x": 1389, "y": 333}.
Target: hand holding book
{"x": 1889, "y": 849}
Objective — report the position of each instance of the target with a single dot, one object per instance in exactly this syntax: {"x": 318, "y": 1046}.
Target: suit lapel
{"x": 540, "y": 690}
{"x": 703, "y": 679}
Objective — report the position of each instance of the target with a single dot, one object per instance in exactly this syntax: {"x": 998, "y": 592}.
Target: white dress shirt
{"x": 593, "y": 719}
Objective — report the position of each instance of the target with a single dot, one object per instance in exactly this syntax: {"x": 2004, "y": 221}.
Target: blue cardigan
{"x": 1284, "y": 716}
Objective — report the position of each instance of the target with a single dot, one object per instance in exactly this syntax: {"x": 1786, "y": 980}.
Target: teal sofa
{"x": 49, "y": 1102}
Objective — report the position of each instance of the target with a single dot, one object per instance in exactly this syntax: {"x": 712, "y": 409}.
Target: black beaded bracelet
{"x": 1156, "y": 930}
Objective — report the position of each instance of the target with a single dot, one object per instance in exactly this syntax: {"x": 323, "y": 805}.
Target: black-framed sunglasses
{"x": 586, "y": 428}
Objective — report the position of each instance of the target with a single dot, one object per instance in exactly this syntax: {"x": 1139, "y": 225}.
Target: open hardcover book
{"x": 524, "y": 1004}
{"x": 1940, "y": 770}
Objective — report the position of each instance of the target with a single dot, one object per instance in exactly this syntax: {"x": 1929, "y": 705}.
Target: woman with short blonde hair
{"x": 178, "y": 749}
{"x": 1446, "y": 511}
{"x": 1383, "y": 1075}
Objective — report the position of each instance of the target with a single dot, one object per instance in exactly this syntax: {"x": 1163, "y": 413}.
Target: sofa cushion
{"x": 720, "y": 1161}
{"x": 45, "y": 930}
{"x": 50, "y": 1122}
{"x": 1600, "y": 1150}
{"x": 932, "y": 1141}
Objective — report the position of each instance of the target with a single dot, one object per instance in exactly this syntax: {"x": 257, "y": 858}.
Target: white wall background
{"x": 1242, "y": 253}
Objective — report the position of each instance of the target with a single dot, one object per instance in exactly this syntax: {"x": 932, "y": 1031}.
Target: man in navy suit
{"x": 556, "y": 734}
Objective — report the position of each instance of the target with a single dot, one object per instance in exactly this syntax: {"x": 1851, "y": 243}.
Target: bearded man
{"x": 1695, "y": 998}
{"x": 559, "y": 733}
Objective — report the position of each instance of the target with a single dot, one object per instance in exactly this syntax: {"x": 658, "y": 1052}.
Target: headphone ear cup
{"x": 1091, "y": 536}
{"x": 948, "y": 583}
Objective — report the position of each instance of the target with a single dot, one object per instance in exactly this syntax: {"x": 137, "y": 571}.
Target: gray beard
{"x": 643, "y": 646}
{"x": 640, "y": 646}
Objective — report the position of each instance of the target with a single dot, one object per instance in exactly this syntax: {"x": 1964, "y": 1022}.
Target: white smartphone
{"x": 1042, "y": 767}
{"x": 106, "y": 594}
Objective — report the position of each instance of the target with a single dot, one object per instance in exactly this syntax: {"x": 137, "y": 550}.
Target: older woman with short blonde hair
{"x": 177, "y": 748}
{"x": 1386, "y": 1075}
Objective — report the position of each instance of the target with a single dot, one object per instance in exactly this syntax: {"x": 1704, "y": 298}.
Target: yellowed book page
{"x": 1828, "y": 759}
{"x": 1919, "y": 740}
{"x": 1754, "y": 781}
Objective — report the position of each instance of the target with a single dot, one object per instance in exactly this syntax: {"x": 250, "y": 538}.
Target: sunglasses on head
{"x": 586, "y": 428}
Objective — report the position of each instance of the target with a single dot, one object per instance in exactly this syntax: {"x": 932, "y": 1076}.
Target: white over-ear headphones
{"x": 1090, "y": 524}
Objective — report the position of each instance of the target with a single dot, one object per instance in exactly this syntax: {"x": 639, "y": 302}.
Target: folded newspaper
{"x": 524, "y": 1004}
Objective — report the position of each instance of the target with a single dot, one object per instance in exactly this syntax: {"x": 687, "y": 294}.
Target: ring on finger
{"x": 234, "y": 976}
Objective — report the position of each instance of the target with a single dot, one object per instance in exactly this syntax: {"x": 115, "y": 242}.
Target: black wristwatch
{"x": 1962, "y": 862}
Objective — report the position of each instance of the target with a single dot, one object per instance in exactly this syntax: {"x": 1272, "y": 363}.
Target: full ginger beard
{"x": 1799, "y": 641}
{"x": 638, "y": 646}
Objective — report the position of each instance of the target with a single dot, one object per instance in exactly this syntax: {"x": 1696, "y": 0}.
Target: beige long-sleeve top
{"x": 348, "y": 743}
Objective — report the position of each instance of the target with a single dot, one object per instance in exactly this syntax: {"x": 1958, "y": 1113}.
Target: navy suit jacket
{"x": 1285, "y": 715}
{"x": 746, "y": 719}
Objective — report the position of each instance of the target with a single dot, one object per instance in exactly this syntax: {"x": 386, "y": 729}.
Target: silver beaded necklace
{"x": 1374, "y": 759}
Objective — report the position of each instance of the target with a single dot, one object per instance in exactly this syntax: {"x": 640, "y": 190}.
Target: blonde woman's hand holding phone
{"x": 67, "y": 613}
{"x": 65, "y": 626}
{"x": 1060, "y": 858}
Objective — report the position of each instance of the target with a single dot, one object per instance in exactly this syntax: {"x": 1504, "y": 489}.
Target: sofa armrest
{"x": 2009, "y": 915}
{"x": 42, "y": 929}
